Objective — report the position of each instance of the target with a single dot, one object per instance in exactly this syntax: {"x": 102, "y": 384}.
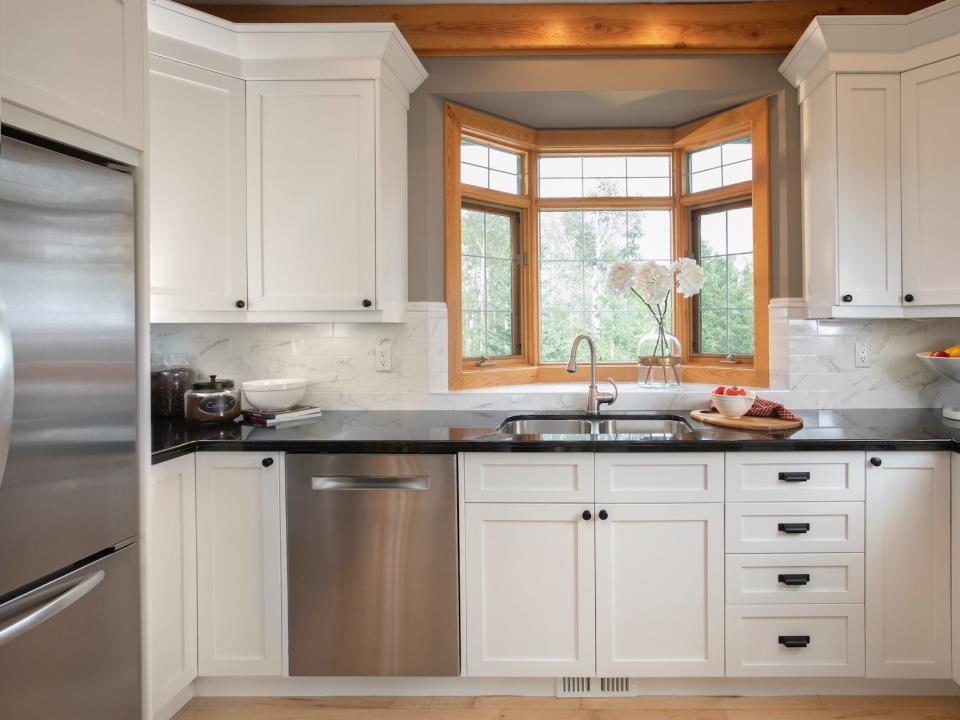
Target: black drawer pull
{"x": 794, "y": 641}
{"x": 794, "y": 528}
{"x": 797, "y": 579}
{"x": 794, "y": 476}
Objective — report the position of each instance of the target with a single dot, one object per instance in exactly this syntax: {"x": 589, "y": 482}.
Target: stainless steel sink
{"x": 602, "y": 427}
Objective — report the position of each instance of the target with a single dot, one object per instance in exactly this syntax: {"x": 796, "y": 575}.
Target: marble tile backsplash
{"x": 812, "y": 364}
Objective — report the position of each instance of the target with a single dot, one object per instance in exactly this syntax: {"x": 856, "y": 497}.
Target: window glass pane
{"x": 490, "y": 167}
{"x": 726, "y": 164}
{"x": 576, "y": 250}
{"x": 605, "y": 176}
{"x": 723, "y": 244}
{"x": 488, "y": 247}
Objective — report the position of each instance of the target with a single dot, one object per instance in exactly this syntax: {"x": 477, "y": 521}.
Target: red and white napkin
{"x": 766, "y": 408}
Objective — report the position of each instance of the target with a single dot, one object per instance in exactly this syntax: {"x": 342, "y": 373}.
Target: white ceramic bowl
{"x": 274, "y": 395}
{"x": 948, "y": 367}
{"x": 733, "y": 406}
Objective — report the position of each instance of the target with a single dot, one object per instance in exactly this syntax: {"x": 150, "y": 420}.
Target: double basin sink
{"x": 600, "y": 427}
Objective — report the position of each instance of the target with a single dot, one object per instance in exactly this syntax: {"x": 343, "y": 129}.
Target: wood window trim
{"x": 751, "y": 118}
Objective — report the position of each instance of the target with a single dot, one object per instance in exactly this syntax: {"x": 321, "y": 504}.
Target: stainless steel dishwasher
{"x": 372, "y": 565}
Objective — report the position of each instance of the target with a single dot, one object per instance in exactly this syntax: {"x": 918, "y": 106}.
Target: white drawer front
{"x": 659, "y": 477}
{"x": 758, "y": 638}
{"x": 772, "y": 476}
{"x": 794, "y": 578}
{"x": 528, "y": 477}
{"x": 794, "y": 527}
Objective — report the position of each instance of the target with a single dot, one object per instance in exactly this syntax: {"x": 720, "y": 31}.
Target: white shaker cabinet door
{"x": 196, "y": 171}
{"x": 78, "y": 62}
{"x": 868, "y": 189}
{"x": 170, "y": 581}
{"x": 311, "y": 153}
{"x": 529, "y": 574}
{"x": 908, "y": 565}
{"x": 660, "y": 590}
{"x": 931, "y": 176}
{"x": 239, "y": 560}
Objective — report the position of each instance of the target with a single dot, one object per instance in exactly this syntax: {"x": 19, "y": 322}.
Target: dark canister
{"x": 168, "y": 385}
{"x": 211, "y": 401}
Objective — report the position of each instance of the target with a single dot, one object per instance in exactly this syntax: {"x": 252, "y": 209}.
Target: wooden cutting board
{"x": 749, "y": 424}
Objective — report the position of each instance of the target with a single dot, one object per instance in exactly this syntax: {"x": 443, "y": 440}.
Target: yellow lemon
{"x": 953, "y": 351}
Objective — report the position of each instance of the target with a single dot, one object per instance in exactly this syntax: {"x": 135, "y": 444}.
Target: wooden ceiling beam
{"x": 641, "y": 28}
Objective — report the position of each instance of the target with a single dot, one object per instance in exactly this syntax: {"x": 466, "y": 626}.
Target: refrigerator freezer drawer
{"x": 71, "y": 648}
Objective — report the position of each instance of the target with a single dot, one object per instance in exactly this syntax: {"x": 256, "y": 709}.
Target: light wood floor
{"x": 810, "y": 707}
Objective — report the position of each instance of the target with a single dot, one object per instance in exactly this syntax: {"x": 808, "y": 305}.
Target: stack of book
{"x": 269, "y": 419}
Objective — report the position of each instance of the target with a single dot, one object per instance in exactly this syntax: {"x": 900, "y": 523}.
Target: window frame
{"x": 751, "y": 118}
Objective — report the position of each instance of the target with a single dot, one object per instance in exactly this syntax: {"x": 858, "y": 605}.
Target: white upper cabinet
{"x": 80, "y": 63}
{"x": 880, "y": 163}
{"x": 197, "y": 218}
{"x": 312, "y": 240}
{"x": 931, "y": 176}
{"x": 299, "y": 138}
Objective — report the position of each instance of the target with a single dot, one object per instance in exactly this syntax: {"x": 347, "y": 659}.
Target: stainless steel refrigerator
{"x": 69, "y": 578}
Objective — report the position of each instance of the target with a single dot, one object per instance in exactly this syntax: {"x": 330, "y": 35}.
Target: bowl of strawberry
{"x": 732, "y": 401}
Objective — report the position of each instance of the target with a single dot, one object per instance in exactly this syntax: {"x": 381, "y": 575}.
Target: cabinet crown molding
{"x": 873, "y": 43}
{"x": 288, "y": 51}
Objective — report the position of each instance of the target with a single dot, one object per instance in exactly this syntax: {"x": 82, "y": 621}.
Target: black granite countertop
{"x": 446, "y": 432}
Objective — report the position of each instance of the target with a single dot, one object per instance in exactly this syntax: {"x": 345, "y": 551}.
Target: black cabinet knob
{"x": 876, "y": 462}
{"x": 847, "y": 298}
{"x": 587, "y": 515}
{"x": 908, "y": 297}
{"x": 794, "y": 641}
{"x": 240, "y": 304}
{"x": 267, "y": 462}
{"x": 366, "y": 303}
{"x": 602, "y": 515}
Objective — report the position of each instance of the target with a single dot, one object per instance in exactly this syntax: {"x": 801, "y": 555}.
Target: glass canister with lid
{"x": 212, "y": 401}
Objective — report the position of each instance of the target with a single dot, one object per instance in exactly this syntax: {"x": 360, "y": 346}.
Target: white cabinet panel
{"x": 955, "y": 559}
{"x": 659, "y": 477}
{"x": 794, "y": 640}
{"x": 660, "y": 590}
{"x": 170, "y": 581}
{"x": 908, "y": 566}
{"x": 239, "y": 558}
{"x": 78, "y": 62}
{"x": 312, "y": 195}
{"x": 794, "y": 578}
{"x": 529, "y": 477}
{"x": 794, "y": 527}
{"x": 774, "y": 476}
{"x": 529, "y": 575}
{"x": 931, "y": 175}
{"x": 197, "y": 222}
{"x": 868, "y": 189}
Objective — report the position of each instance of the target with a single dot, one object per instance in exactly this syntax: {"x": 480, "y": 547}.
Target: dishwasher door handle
{"x": 370, "y": 482}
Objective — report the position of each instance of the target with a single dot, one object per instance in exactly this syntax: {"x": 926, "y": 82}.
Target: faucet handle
{"x": 609, "y": 398}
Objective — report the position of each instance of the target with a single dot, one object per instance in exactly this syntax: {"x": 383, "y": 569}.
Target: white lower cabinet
{"x": 660, "y": 590}
{"x": 529, "y": 590}
{"x": 794, "y": 640}
{"x": 239, "y": 564}
{"x": 908, "y": 565}
{"x": 170, "y": 582}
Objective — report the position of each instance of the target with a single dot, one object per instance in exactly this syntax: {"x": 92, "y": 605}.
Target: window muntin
{"x": 576, "y": 249}
{"x": 579, "y": 176}
{"x": 490, "y": 167}
{"x": 720, "y": 165}
{"x": 723, "y": 317}
{"x": 490, "y": 293}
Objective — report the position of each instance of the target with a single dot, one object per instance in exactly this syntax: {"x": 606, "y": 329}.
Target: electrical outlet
{"x": 861, "y": 355}
{"x": 382, "y": 357}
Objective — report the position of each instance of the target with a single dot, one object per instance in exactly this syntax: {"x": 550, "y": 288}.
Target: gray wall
{"x": 652, "y": 87}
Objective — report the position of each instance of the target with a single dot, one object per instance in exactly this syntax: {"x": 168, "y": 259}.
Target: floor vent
{"x": 592, "y": 687}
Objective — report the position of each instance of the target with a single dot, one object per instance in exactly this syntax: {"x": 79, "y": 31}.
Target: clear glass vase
{"x": 658, "y": 359}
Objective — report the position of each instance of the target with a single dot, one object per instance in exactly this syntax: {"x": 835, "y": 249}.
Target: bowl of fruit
{"x": 732, "y": 401}
{"x": 945, "y": 363}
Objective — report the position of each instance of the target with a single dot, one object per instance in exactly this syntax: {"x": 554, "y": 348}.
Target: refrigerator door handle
{"x": 6, "y": 385}
{"x": 50, "y": 608}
